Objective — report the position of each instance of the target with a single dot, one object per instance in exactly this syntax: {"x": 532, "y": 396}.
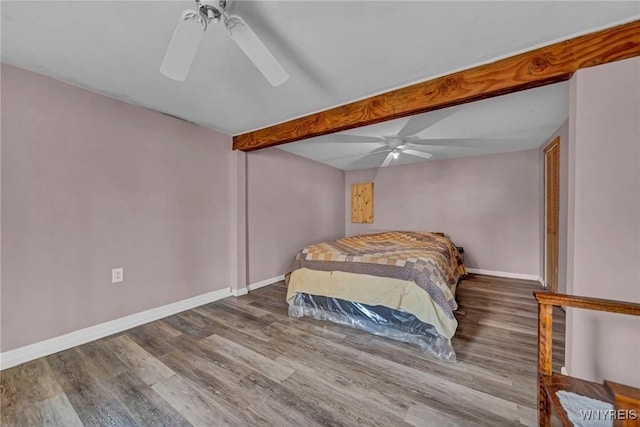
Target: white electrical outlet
{"x": 117, "y": 275}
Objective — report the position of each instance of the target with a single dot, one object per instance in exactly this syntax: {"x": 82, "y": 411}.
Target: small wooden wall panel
{"x": 362, "y": 203}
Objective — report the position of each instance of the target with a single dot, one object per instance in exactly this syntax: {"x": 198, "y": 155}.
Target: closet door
{"x": 552, "y": 212}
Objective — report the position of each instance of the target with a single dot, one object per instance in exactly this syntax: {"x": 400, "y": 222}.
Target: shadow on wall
{"x": 292, "y": 202}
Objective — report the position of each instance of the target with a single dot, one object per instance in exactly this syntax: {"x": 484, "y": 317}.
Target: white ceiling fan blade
{"x": 371, "y": 159}
{"x": 453, "y": 142}
{"x": 418, "y": 154}
{"x": 361, "y": 156}
{"x": 387, "y": 160}
{"x": 255, "y": 50}
{"x": 375, "y": 152}
{"x": 339, "y": 137}
{"x": 379, "y": 150}
{"x": 182, "y": 47}
{"x": 439, "y": 147}
{"x": 417, "y": 124}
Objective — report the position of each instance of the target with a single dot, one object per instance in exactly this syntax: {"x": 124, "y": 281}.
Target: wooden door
{"x": 552, "y": 212}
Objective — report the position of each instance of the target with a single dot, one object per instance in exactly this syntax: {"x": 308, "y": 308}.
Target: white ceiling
{"x": 335, "y": 51}
{"x": 514, "y": 122}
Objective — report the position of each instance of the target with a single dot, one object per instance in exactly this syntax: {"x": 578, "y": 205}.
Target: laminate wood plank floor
{"x": 244, "y": 362}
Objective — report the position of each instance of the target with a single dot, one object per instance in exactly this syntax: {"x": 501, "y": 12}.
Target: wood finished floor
{"x": 242, "y": 361}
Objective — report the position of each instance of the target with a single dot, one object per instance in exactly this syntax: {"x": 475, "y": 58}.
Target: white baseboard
{"x": 266, "y": 282}
{"x": 239, "y": 292}
{"x": 53, "y": 345}
{"x": 506, "y": 274}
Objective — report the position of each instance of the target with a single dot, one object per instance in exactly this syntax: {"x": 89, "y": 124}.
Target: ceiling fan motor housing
{"x": 211, "y": 10}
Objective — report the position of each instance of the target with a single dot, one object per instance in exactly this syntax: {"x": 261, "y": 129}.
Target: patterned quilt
{"x": 431, "y": 261}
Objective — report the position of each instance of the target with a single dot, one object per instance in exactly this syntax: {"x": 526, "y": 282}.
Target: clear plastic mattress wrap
{"x": 378, "y": 320}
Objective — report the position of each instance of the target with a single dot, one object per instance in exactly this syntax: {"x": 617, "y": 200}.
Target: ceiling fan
{"x": 406, "y": 141}
{"x": 190, "y": 30}
{"x": 396, "y": 145}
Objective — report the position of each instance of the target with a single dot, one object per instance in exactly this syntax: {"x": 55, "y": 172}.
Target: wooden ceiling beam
{"x": 539, "y": 67}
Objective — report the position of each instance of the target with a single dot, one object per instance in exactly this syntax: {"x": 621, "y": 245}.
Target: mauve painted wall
{"x": 90, "y": 183}
{"x": 489, "y": 204}
{"x": 604, "y": 220}
{"x": 292, "y": 202}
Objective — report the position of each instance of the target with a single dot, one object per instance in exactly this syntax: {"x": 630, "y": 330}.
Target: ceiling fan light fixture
{"x": 211, "y": 11}
{"x": 395, "y": 153}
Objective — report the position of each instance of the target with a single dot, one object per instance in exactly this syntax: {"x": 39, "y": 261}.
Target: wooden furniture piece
{"x": 621, "y": 396}
{"x": 461, "y": 250}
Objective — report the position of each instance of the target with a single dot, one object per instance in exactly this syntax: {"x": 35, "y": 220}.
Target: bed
{"x": 397, "y": 284}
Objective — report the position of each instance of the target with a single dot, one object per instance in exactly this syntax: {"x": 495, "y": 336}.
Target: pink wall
{"x": 563, "y": 133}
{"x": 292, "y": 202}
{"x": 604, "y": 219}
{"x": 488, "y": 204}
{"x": 90, "y": 183}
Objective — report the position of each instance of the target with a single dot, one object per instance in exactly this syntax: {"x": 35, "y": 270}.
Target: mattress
{"x": 384, "y": 274}
{"x": 396, "y": 294}
{"x": 377, "y": 320}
